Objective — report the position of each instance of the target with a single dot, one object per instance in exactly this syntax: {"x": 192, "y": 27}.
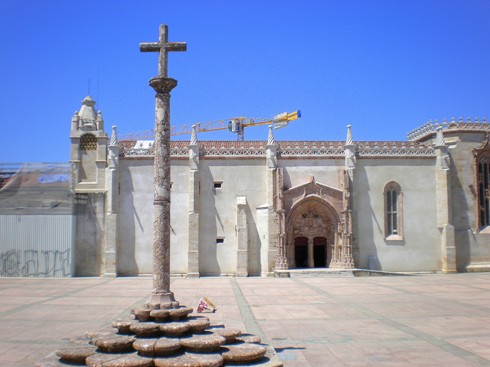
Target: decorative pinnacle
{"x": 440, "y": 141}
{"x": 194, "y": 135}
{"x": 88, "y": 101}
{"x": 348, "y": 140}
{"x": 114, "y": 136}
{"x": 270, "y": 139}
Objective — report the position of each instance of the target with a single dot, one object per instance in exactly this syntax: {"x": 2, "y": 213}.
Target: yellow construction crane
{"x": 235, "y": 125}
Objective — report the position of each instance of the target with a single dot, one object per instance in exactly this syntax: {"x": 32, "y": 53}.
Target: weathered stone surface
{"x": 180, "y": 313}
{"x": 122, "y": 326}
{"x": 190, "y": 360}
{"x": 76, "y": 353}
{"x": 118, "y": 360}
{"x": 229, "y": 334}
{"x": 161, "y": 301}
{"x": 157, "y": 346}
{"x": 116, "y": 344}
{"x": 243, "y": 353}
{"x": 203, "y": 343}
{"x": 145, "y": 346}
{"x": 176, "y": 361}
{"x": 93, "y": 335}
{"x": 145, "y": 329}
{"x": 160, "y": 315}
{"x": 249, "y": 338}
{"x": 176, "y": 328}
{"x": 165, "y": 346}
{"x": 198, "y": 323}
{"x": 141, "y": 314}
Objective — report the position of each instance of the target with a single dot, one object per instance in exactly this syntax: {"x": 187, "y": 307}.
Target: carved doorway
{"x": 311, "y": 234}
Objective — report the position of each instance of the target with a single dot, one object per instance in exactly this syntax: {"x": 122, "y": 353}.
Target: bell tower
{"x": 88, "y": 150}
{"x": 88, "y": 158}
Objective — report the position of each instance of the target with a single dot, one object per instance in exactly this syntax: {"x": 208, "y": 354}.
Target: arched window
{"x": 88, "y": 142}
{"x": 483, "y": 185}
{"x": 393, "y": 211}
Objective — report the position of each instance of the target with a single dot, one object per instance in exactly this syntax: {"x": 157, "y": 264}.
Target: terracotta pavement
{"x": 422, "y": 320}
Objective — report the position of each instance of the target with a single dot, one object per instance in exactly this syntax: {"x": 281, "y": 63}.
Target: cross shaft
{"x": 161, "y": 296}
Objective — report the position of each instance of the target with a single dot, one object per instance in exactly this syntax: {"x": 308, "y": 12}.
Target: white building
{"x": 250, "y": 208}
{"x": 254, "y": 207}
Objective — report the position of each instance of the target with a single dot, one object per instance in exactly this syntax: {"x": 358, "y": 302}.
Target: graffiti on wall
{"x": 35, "y": 263}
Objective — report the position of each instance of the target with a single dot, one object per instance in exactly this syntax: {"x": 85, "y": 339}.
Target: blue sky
{"x": 383, "y": 66}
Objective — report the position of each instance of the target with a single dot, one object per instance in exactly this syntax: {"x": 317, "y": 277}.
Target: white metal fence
{"x": 36, "y": 245}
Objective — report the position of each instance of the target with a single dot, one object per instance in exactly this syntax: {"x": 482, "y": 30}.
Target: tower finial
{"x": 88, "y": 116}
{"x": 114, "y": 136}
{"x": 348, "y": 140}
{"x": 270, "y": 138}
{"x": 440, "y": 141}
{"x": 194, "y": 135}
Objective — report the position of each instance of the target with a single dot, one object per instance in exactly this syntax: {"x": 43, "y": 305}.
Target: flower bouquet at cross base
{"x": 205, "y": 304}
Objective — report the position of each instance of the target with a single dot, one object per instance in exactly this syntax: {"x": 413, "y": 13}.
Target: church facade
{"x": 251, "y": 208}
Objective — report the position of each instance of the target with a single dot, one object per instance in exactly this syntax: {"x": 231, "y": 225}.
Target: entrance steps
{"x": 327, "y": 273}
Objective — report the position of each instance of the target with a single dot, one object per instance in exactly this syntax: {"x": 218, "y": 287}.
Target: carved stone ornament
{"x": 163, "y": 85}
{"x": 482, "y": 153}
{"x": 312, "y": 222}
{"x": 285, "y": 149}
{"x": 296, "y": 194}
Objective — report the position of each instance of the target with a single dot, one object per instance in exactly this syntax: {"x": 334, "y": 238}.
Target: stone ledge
{"x": 480, "y": 267}
{"x": 332, "y": 272}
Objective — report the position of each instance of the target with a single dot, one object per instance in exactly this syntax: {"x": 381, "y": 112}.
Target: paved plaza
{"x": 422, "y": 320}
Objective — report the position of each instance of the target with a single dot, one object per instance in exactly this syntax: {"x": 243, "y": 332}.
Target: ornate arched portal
{"x": 311, "y": 236}
{"x": 315, "y": 227}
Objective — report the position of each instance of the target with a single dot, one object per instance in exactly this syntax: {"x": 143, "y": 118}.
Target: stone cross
{"x": 163, "y": 47}
{"x": 161, "y": 296}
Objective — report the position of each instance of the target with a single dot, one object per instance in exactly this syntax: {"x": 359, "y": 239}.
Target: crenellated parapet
{"x": 429, "y": 129}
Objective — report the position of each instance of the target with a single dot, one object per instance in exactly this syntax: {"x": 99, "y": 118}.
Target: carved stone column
{"x": 311, "y": 249}
{"x": 161, "y": 295}
{"x": 443, "y": 195}
{"x": 281, "y": 258}
{"x": 343, "y": 258}
{"x": 194, "y": 178}
{"x": 112, "y": 196}
{"x": 269, "y": 248}
{"x": 346, "y": 258}
{"x": 242, "y": 237}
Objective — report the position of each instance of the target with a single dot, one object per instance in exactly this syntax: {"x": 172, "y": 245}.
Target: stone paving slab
{"x": 423, "y": 320}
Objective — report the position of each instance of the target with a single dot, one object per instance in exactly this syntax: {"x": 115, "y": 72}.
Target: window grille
{"x": 88, "y": 142}
{"x": 483, "y": 178}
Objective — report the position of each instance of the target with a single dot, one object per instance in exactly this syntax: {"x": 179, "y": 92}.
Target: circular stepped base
{"x": 165, "y": 338}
